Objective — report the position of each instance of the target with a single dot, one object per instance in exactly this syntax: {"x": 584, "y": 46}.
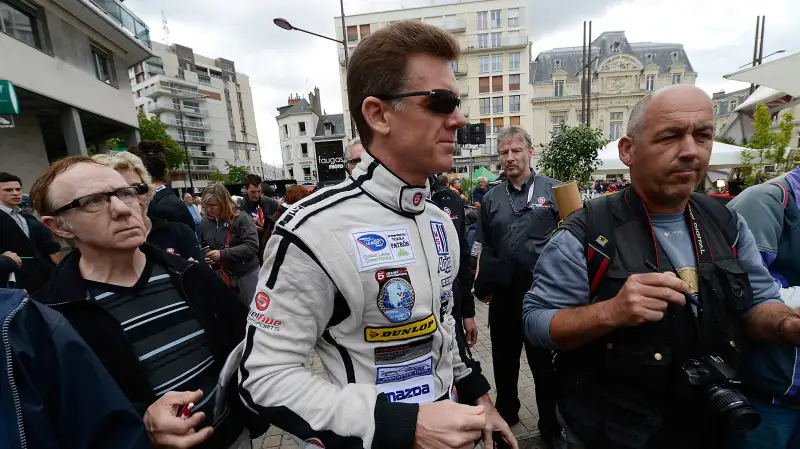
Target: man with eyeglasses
{"x": 161, "y": 325}
{"x": 352, "y": 154}
{"x": 516, "y": 221}
{"x": 363, "y": 272}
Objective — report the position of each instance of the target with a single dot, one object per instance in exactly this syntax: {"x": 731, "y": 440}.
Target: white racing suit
{"x": 362, "y": 273}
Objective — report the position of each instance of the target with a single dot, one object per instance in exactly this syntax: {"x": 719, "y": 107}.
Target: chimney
{"x": 294, "y": 100}
{"x": 316, "y": 102}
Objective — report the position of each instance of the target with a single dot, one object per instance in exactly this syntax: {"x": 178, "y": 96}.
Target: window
{"x": 286, "y": 131}
{"x": 454, "y": 66}
{"x": 302, "y": 127}
{"x": 513, "y": 103}
{"x": 307, "y": 172}
{"x": 304, "y": 149}
{"x": 558, "y": 119}
{"x": 513, "y": 82}
{"x": 203, "y": 79}
{"x": 514, "y": 38}
{"x": 676, "y": 78}
{"x": 497, "y": 22}
{"x": 291, "y": 173}
{"x": 364, "y": 29}
{"x": 19, "y": 23}
{"x": 352, "y": 33}
{"x": 650, "y": 83}
{"x": 513, "y": 61}
{"x": 497, "y": 105}
{"x": 483, "y": 40}
{"x": 482, "y": 20}
{"x": 497, "y": 40}
{"x": 103, "y": 68}
{"x": 513, "y": 17}
{"x": 615, "y": 126}
{"x": 483, "y": 64}
{"x": 497, "y": 84}
{"x": 559, "y": 89}
{"x": 497, "y": 63}
{"x": 732, "y": 105}
{"x": 484, "y": 103}
{"x": 483, "y": 84}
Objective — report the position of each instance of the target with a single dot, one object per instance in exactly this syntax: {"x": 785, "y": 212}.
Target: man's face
{"x": 188, "y": 198}
{"x": 482, "y": 184}
{"x": 354, "y": 157}
{"x": 115, "y": 226}
{"x": 254, "y": 193}
{"x": 133, "y": 178}
{"x": 197, "y": 201}
{"x": 515, "y": 156}
{"x": 423, "y": 139}
{"x": 10, "y": 194}
{"x": 670, "y": 154}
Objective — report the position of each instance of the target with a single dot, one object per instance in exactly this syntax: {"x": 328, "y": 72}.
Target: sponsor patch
{"x": 395, "y": 294}
{"x": 440, "y": 238}
{"x": 444, "y": 301}
{"x": 425, "y": 326}
{"x": 601, "y": 240}
{"x": 446, "y": 282}
{"x": 445, "y": 265}
{"x": 388, "y": 355}
{"x": 262, "y": 321}
{"x": 417, "y": 198}
{"x": 384, "y": 246}
{"x": 408, "y": 392}
{"x": 262, "y": 301}
{"x": 402, "y": 373}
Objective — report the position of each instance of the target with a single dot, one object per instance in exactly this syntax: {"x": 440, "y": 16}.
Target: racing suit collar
{"x": 386, "y": 187}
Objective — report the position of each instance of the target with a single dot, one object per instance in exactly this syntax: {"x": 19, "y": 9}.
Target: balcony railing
{"x": 126, "y": 19}
{"x": 459, "y": 68}
{"x": 158, "y": 90}
{"x": 198, "y": 153}
{"x": 456, "y": 26}
{"x": 196, "y": 112}
{"x": 491, "y": 44}
{"x": 159, "y": 106}
{"x": 193, "y": 139}
{"x": 198, "y": 168}
{"x": 463, "y": 90}
{"x": 188, "y": 124}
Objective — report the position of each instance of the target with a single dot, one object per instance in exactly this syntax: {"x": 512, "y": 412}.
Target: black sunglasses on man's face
{"x": 442, "y": 101}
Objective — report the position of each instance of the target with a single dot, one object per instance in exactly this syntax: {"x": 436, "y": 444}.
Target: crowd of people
{"x": 652, "y": 318}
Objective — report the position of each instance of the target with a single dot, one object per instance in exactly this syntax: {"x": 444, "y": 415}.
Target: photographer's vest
{"x": 625, "y": 389}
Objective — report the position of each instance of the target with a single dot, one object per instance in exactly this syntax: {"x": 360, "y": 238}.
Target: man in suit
{"x": 27, "y": 248}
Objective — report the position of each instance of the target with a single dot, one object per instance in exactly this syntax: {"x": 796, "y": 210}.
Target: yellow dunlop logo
{"x": 419, "y": 328}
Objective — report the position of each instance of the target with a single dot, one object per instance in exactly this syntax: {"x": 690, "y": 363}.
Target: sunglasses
{"x": 441, "y": 101}
{"x": 354, "y": 161}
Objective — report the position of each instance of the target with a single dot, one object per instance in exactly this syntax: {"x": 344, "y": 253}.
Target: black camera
{"x": 727, "y": 406}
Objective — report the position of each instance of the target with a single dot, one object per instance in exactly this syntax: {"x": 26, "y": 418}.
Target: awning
{"x": 722, "y": 156}
{"x": 780, "y": 74}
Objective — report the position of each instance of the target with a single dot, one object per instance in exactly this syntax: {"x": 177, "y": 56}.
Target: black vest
{"x": 33, "y": 273}
{"x": 626, "y": 389}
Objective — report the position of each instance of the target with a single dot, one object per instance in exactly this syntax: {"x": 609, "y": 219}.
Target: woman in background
{"x": 231, "y": 240}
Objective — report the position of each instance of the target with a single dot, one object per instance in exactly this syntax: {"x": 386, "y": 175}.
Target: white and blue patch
{"x": 373, "y": 242}
{"x": 440, "y": 238}
{"x": 402, "y": 373}
{"x": 396, "y": 299}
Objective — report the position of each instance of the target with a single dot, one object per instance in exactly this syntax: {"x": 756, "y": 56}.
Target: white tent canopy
{"x": 722, "y": 156}
{"x": 780, "y": 74}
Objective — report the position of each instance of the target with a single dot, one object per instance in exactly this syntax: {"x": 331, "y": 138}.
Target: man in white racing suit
{"x": 362, "y": 273}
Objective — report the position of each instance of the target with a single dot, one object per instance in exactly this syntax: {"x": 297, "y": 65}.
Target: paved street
{"x": 526, "y": 429}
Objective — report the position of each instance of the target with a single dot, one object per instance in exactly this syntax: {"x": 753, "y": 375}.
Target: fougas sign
{"x": 330, "y": 161}
{"x": 8, "y": 98}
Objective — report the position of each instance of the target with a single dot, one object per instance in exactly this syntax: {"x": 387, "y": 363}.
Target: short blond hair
{"x": 226, "y": 204}
{"x": 123, "y": 160}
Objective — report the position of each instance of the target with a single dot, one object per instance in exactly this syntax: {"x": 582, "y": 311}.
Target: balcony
{"x": 161, "y": 106}
{"x": 460, "y": 68}
{"x": 198, "y": 168}
{"x": 198, "y": 153}
{"x": 126, "y": 19}
{"x": 463, "y": 90}
{"x": 456, "y": 26}
{"x": 194, "y": 112}
{"x": 157, "y": 90}
{"x": 188, "y": 124}
{"x": 154, "y": 69}
{"x": 192, "y": 139}
{"x": 505, "y": 42}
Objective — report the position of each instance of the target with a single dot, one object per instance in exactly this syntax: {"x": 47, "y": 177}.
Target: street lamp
{"x": 762, "y": 58}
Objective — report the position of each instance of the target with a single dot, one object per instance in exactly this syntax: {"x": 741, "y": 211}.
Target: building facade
{"x": 622, "y": 73}
{"x": 725, "y": 104}
{"x": 492, "y": 71}
{"x": 67, "y": 62}
{"x": 206, "y": 105}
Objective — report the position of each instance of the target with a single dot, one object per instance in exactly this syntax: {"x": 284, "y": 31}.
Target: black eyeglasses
{"x": 354, "y": 161}
{"x": 439, "y": 100}
{"x": 97, "y": 201}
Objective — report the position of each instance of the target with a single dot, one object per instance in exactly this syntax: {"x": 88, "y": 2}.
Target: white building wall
{"x": 22, "y": 150}
{"x": 291, "y": 146}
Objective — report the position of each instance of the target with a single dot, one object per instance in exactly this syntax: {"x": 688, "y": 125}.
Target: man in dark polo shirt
{"x": 161, "y": 325}
{"x": 517, "y": 218}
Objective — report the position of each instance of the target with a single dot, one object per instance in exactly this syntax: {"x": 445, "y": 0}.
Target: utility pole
{"x": 589, "y": 75}
{"x": 757, "y": 54}
{"x": 583, "y": 77}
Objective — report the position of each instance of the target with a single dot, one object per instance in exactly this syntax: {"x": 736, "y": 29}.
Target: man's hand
{"x": 645, "y": 298}
{"x": 213, "y": 255}
{"x": 471, "y": 331}
{"x": 169, "y": 431}
{"x": 13, "y": 256}
{"x": 495, "y": 423}
{"x": 446, "y": 424}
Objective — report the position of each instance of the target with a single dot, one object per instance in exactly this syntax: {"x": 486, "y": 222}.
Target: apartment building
{"x": 622, "y": 73}
{"x": 206, "y": 105}
{"x": 492, "y": 71}
{"x": 67, "y": 62}
{"x": 304, "y": 127}
{"x": 725, "y": 104}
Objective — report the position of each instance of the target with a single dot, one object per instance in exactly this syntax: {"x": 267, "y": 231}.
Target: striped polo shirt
{"x": 166, "y": 335}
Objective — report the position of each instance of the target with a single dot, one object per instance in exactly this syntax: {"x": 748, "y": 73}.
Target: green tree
{"x": 154, "y": 129}
{"x": 572, "y": 154}
{"x": 216, "y": 176}
{"x": 236, "y": 174}
{"x": 767, "y": 147}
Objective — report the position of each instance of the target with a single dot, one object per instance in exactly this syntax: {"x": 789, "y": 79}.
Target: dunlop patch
{"x": 415, "y": 329}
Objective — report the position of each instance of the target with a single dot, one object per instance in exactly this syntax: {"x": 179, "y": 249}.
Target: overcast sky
{"x": 717, "y": 35}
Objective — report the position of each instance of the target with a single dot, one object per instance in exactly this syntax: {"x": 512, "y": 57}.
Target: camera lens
{"x": 733, "y": 409}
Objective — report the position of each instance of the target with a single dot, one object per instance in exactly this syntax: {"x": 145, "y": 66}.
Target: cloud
{"x": 717, "y": 36}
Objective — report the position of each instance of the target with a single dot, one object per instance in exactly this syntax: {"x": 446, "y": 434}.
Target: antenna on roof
{"x": 165, "y": 27}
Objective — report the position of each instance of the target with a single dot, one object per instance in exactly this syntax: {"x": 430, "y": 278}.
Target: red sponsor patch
{"x": 417, "y": 198}
{"x": 262, "y": 301}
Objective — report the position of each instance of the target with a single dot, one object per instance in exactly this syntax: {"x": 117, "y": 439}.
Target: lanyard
{"x": 527, "y": 205}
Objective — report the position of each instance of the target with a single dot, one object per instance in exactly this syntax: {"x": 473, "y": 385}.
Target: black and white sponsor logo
{"x": 389, "y": 355}
{"x": 407, "y": 393}
{"x": 446, "y": 282}
{"x": 445, "y": 264}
